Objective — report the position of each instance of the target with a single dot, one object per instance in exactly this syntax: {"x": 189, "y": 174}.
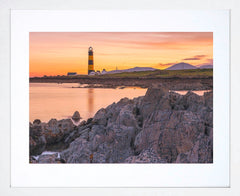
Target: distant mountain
{"x": 206, "y": 67}
{"x": 180, "y": 66}
{"x": 135, "y": 69}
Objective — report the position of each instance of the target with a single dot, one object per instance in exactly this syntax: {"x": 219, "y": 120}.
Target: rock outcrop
{"x": 55, "y": 131}
{"x": 51, "y": 133}
{"x": 76, "y": 116}
{"x": 161, "y": 127}
{"x": 37, "y": 141}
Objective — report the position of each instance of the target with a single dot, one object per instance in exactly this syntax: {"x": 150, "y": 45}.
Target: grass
{"x": 190, "y": 73}
{"x": 163, "y": 74}
{"x": 129, "y": 74}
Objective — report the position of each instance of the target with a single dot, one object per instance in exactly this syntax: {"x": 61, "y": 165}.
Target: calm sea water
{"x": 52, "y": 100}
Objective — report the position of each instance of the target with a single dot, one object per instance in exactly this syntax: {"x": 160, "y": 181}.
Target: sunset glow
{"x": 56, "y": 53}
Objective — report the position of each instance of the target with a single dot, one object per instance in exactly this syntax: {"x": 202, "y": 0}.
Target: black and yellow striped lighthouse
{"x": 90, "y": 60}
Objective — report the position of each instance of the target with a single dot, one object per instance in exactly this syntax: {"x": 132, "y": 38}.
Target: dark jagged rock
{"x": 49, "y": 158}
{"x": 53, "y": 132}
{"x": 81, "y": 149}
{"x": 89, "y": 121}
{"x": 82, "y": 123}
{"x": 100, "y": 117}
{"x": 177, "y": 130}
{"x": 76, "y": 116}
{"x": 37, "y": 122}
{"x": 146, "y": 156}
{"x": 37, "y": 141}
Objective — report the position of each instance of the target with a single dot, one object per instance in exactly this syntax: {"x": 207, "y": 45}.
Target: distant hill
{"x": 181, "y": 66}
{"x": 135, "y": 69}
{"x": 206, "y": 67}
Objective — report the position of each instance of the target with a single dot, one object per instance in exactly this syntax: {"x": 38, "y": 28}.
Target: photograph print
{"x": 120, "y": 97}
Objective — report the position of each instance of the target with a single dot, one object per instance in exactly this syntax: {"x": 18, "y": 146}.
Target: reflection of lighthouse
{"x": 90, "y": 101}
{"x": 90, "y": 60}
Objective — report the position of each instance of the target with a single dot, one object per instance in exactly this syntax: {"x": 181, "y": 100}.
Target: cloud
{"x": 200, "y": 56}
{"x": 196, "y": 57}
{"x": 165, "y": 64}
{"x": 191, "y": 59}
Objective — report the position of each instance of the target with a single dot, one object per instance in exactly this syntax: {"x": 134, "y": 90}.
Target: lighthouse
{"x": 90, "y": 60}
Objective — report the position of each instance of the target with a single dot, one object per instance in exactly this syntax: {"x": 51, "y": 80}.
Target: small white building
{"x": 104, "y": 71}
{"x": 98, "y": 73}
{"x": 92, "y": 73}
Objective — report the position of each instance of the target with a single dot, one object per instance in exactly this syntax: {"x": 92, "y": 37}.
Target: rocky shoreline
{"x": 160, "y": 127}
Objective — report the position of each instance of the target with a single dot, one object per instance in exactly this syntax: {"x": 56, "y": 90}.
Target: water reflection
{"x": 91, "y": 101}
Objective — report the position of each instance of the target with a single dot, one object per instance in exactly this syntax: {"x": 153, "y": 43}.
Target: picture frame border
{"x": 199, "y": 175}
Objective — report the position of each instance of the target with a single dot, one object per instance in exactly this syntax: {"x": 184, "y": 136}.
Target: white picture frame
{"x": 24, "y": 174}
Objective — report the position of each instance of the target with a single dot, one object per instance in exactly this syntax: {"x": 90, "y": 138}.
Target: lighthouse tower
{"x": 90, "y": 60}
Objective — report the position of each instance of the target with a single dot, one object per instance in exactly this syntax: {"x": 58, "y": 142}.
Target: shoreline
{"x": 174, "y": 83}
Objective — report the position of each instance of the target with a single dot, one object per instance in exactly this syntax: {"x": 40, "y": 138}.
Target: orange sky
{"x": 56, "y": 53}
